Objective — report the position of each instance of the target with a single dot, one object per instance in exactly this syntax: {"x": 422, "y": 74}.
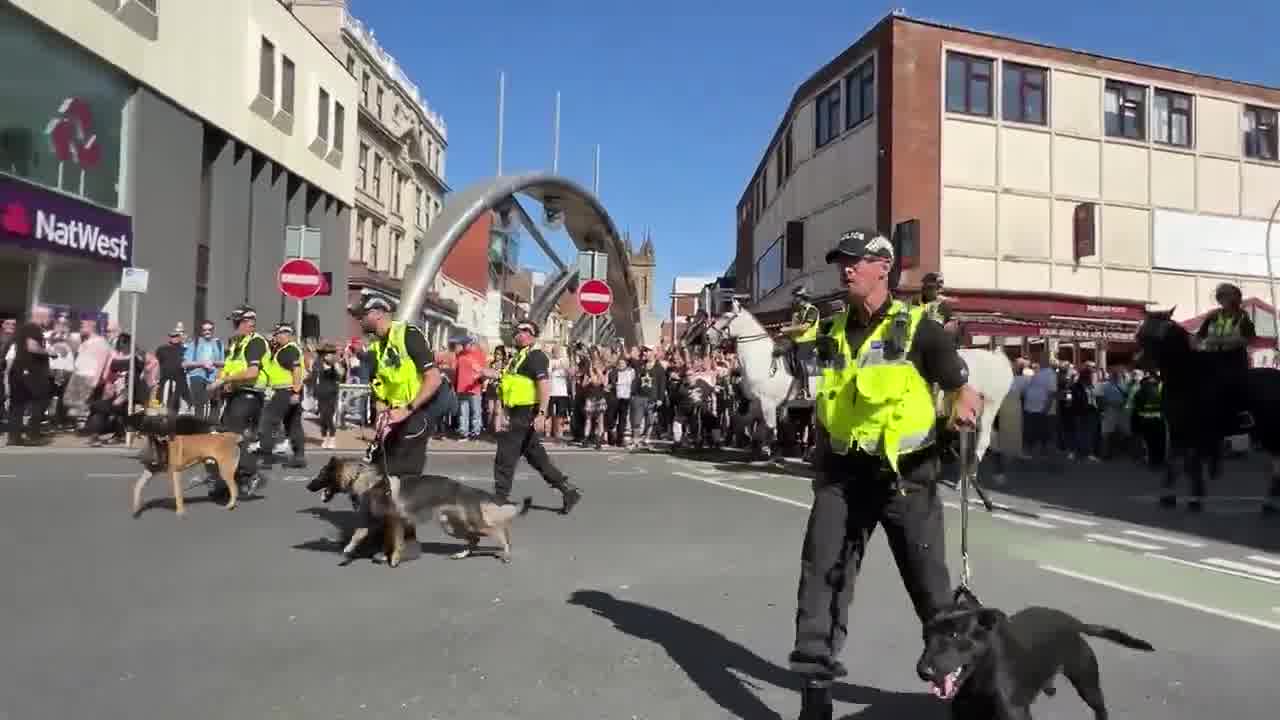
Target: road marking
{"x": 1164, "y": 538}
{"x": 1068, "y": 519}
{"x": 8, "y": 477}
{"x": 637, "y": 471}
{"x": 1171, "y": 599}
{"x": 1259, "y": 558}
{"x": 1244, "y": 567}
{"x": 1019, "y": 520}
{"x": 749, "y": 491}
{"x": 996, "y": 505}
{"x": 111, "y": 475}
{"x": 1112, "y": 539}
{"x": 1213, "y": 568}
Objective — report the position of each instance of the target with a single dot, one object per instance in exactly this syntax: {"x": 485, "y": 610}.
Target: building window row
{"x": 858, "y": 89}
{"x": 1130, "y": 111}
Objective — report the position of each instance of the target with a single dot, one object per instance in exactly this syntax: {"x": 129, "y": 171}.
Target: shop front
{"x": 1068, "y": 327}
{"x": 59, "y": 251}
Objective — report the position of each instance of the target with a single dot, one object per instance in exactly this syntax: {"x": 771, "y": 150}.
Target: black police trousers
{"x": 403, "y": 452}
{"x": 280, "y": 410}
{"x": 852, "y": 495}
{"x": 241, "y": 414}
{"x": 521, "y": 440}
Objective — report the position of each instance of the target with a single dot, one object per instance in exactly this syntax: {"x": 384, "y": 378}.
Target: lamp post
{"x": 1271, "y": 280}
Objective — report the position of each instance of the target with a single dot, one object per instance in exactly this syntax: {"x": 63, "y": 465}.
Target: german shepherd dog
{"x": 989, "y": 665}
{"x": 178, "y": 444}
{"x": 400, "y": 504}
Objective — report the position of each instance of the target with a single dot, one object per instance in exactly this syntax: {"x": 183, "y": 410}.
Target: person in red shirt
{"x": 470, "y": 362}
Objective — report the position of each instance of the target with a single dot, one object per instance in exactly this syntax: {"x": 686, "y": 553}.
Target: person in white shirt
{"x": 1037, "y": 400}
{"x": 624, "y": 378}
{"x": 560, "y": 406}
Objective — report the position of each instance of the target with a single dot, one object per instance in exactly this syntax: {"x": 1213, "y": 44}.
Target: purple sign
{"x": 48, "y": 221}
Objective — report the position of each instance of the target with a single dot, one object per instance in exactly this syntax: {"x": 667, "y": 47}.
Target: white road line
{"x": 1259, "y": 558}
{"x": 1244, "y": 567}
{"x": 8, "y": 477}
{"x": 1112, "y": 539}
{"x": 996, "y": 505}
{"x": 112, "y": 475}
{"x": 1171, "y": 599}
{"x": 749, "y": 491}
{"x": 1213, "y": 568}
{"x": 1030, "y": 522}
{"x": 1158, "y": 537}
{"x": 1068, "y": 519}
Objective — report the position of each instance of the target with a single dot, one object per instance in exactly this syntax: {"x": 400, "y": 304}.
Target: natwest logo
{"x": 80, "y": 236}
{"x": 14, "y": 219}
{"x": 37, "y": 219}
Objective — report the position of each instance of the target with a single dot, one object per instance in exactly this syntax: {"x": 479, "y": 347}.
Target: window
{"x": 379, "y": 102}
{"x": 377, "y": 176}
{"x": 286, "y": 84}
{"x": 373, "y": 244}
{"x": 421, "y": 206}
{"x": 322, "y": 127}
{"x": 360, "y": 221}
{"x": 826, "y": 110}
{"x": 968, "y": 84}
{"x": 395, "y": 191}
{"x": 396, "y": 237}
{"x": 861, "y": 93}
{"x": 1023, "y": 96}
{"x": 339, "y": 125}
{"x": 764, "y": 185}
{"x": 267, "y": 70}
{"x": 1171, "y": 118}
{"x": 1259, "y": 133}
{"x": 364, "y": 166}
{"x": 769, "y": 269}
{"x": 778, "y": 160}
{"x": 364, "y": 90}
{"x": 786, "y": 158}
{"x": 1126, "y": 114}
{"x": 351, "y": 63}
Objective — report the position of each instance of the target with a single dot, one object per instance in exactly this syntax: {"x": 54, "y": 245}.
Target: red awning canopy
{"x": 1004, "y": 313}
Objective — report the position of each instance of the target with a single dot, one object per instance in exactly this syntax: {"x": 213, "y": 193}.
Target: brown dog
{"x": 178, "y": 452}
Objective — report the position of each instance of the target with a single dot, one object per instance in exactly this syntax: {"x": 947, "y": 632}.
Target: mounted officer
{"x": 801, "y": 334}
{"x": 1228, "y": 330}
{"x": 935, "y": 306}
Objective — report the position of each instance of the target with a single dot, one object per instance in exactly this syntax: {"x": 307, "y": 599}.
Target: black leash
{"x": 968, "y": 477}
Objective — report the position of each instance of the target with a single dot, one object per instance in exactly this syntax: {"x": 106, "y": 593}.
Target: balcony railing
{"x": 365, "y": 35}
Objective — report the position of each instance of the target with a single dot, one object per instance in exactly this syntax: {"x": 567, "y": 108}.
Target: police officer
{"x": 802, "y": 331}
{"x": 936, "y": 307}
{"x": 1147, "y": 418}
{"x": 876, "y": 460}
{"x": 525, "y": 391}
{"x": 404, "y": 382}
{"x": 285, "y": 371}
{"x": 241, "y": 383}
{"x": 1228, "y": 329}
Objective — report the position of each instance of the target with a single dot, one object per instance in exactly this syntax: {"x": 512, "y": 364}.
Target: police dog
{"x": 991, "y": 665}
{"x": 400, "y": 504}
{"x": 177, "y": 444}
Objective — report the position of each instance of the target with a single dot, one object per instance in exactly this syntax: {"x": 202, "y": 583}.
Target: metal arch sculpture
{"x": 585, "y": 220}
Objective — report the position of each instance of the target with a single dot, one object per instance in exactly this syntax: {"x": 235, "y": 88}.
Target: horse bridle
{"x": 737, "y": 339}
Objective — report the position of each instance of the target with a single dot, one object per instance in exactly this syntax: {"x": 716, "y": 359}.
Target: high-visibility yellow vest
{"x": 1224, "y": 326}
{"x": 517, "y": 390}
{"x": 810, "y": 332}
{"x": 235, "y": 362}
{"x": 933, "y": 311}
{"x": 1150, "y": 405}
{"x": 398, "y": 380}
{"x": 874, "y": 400}
{"x": 278, "y": 376}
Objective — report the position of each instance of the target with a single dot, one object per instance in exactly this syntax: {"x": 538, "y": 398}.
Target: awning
{"x": 1003, "y": 313}
{"x": 1058, "y": 328}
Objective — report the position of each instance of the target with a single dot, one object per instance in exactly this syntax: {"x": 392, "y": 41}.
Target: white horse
{"x": 990, "y": 373}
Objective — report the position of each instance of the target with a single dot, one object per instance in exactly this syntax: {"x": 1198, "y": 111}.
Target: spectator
{"x": 327, "y": 375}
{"x": 29, "y": 380}
{"x": 471, "y": 384}
{"x": 203, "y": 357}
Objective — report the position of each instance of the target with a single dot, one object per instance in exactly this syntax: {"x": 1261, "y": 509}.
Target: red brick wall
{"x": 685, "y": 306}
{"x": 468, "y": 262}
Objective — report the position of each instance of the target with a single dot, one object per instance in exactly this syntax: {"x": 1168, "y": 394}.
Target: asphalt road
{"x": 684, "y": 572}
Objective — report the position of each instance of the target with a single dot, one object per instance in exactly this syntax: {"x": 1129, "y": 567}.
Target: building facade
{"x": 1058, "y": 192}
{"x": 113, "y": 156}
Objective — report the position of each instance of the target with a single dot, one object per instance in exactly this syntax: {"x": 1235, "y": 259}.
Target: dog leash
{"x": 966, "y": 470}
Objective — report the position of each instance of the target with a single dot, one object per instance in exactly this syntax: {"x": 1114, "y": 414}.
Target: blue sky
{"x": 682, "y": 96}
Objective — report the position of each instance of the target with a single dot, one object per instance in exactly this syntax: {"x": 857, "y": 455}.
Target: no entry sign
{"x": 299, "y": 279}
{"x": 595, "y": 297}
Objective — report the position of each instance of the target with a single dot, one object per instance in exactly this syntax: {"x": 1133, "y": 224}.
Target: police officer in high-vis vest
{"x": 241, "y": 383}
{"x": 936, "y": 308}
{"x": 801, "y": 333}
{"x": 1145, "y": 406}
{"x": 405, "y": 380}
{"x": 285, "y": 371}
{"x": 876, "y": 460}
{"x": 1228, "y": 330}
{"x": 525, "y": 391}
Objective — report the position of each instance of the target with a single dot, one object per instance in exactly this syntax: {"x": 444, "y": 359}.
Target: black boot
{"x": 815, "y": 701}
{"x": 571, "y": 494}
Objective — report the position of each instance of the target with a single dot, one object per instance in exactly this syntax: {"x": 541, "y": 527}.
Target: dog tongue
{"x": 945, "y": 690}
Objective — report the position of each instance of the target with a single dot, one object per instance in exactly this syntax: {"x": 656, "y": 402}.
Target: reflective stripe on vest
{"x": 1150, "y": 405}
{"x": 933, "y": 311}
{"x": 1224, "y": 326}
{"x": 398, "y": 380}
{"x": 880, "y": 404}
{"x": 810, "y": 332}
{"x": 235, "y": 362}
{"x": 277, "y": 376}
{"x": 517, "y": 390}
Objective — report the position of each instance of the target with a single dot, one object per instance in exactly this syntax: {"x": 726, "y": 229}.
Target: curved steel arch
{"x": 585, "y": 220}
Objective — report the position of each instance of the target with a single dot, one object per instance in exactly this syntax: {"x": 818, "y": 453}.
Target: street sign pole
{"x": 133, "y": 281}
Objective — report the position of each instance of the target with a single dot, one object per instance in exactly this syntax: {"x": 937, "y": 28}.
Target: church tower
{"x": 643, "y": 265}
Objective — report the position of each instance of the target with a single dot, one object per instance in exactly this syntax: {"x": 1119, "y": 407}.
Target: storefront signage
{"x": 1031, "y": 307}
{"x": 1085, "y": 334}
{"x": 47, "y": 221}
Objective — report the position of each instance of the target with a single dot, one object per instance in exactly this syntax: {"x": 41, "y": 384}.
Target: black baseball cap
{"x": 860, "y": 243}
{"x": 370, "y": 302}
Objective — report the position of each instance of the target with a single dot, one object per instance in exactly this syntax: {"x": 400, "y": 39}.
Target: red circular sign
{"x": 595, "y": 297}
{"x": 299, "y": 279}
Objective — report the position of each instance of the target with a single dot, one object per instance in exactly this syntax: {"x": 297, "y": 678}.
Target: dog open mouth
{"x": 327, "y": 494}
{"x": 949, "y": 685}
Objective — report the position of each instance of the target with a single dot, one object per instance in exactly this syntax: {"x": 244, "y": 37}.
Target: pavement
{"x": 668, "y": 593}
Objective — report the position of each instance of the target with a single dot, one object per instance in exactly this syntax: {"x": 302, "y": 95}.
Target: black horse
{"x": 1205, "y": 396}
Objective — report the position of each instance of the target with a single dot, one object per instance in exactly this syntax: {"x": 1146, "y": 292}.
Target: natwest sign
{"x": 48, "y": 221}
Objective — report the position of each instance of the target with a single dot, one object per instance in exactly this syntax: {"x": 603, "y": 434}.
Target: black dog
{"x": 992, "y": 666}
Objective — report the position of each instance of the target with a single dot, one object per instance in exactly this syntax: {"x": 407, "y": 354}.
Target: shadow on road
{"x": 168, "y": 503}
{"x": 1125, "y": 491}
{"x": 717, "y": 665}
